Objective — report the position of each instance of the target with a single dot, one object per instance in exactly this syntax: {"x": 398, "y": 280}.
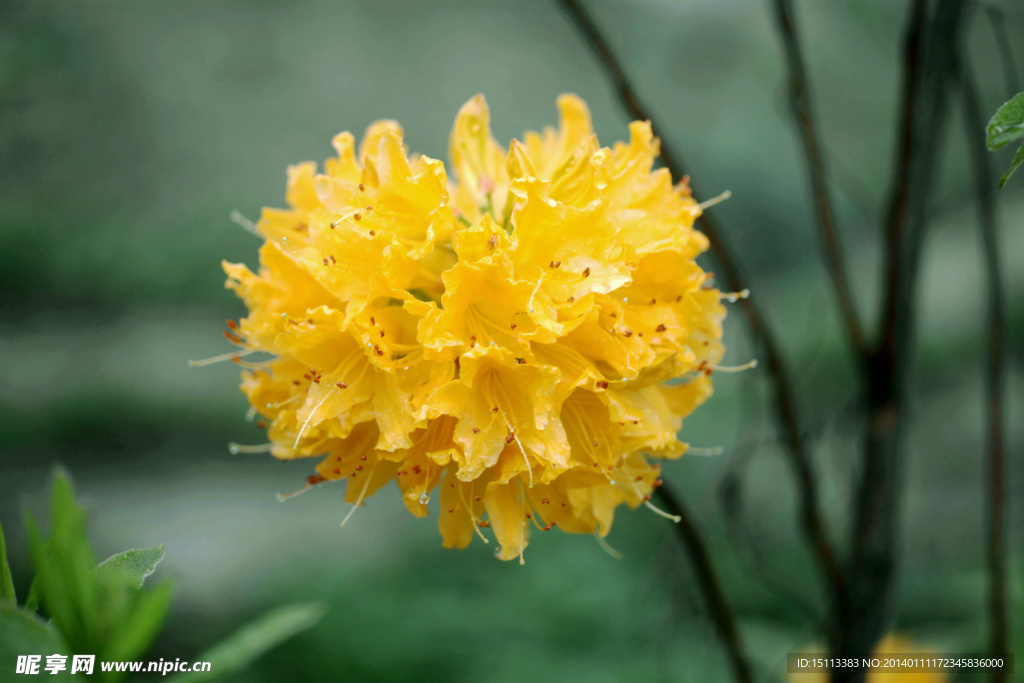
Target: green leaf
{"x": 1007, "y": 124}
{"x": 23, "y": 633}
{"x": 137, "y": 564}
{"x": 51, "y": 588}
{"x": 32, "y": 601}
{"x": 64, "y": 565}
{"x": 253, "y": 640}
{"x": 98, "y": 609}
{"x": 7, "y": 593}
{"x": 70, "y": 547}
{"x": 137, "y": 630}
{"x": 1018, "y": 159}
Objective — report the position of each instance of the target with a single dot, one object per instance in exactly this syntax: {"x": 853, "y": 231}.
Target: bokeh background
{"x": 129, "y": 131}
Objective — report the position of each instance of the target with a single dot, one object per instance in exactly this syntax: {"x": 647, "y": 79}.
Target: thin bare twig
{"x": 812, "y": 522}
{"x": 974, "y": 121}
{"x": 799, "y": 87}
{"x": 718, "y": 605}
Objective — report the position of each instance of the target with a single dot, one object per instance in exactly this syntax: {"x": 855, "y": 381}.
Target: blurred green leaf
{"x": 253, "y": 640}
{"x": 1018, "y": 159}
{"x": 137, "y": 564}
{"x": 32, "y": 601}
{"x": 53, "y": 592}
{"x": 70, "y": 546}
{"x": 7, "y": 593}
{"x": 1007, "y": 124}
{"x": 136, "y": 631}
{"x": 23, "y": 633}
{"x": 98, "y": 609}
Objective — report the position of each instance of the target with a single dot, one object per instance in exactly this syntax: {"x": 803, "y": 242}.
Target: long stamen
{"x": 735, "y": 368}
{"x": 531, "y": 513}
{"x": 305, "y": 424}
{"x": 286, "y": 401}
{"x": 512, "y": 435}
{"x": 472, "y": 515}
{"x": 233, "y": 356}
{"x": 362, "y": 494}
{"x": 733, "y": 297}
{"x": 695, "y": 450}
{"x": 254, "y": 366}
{"x": 236, "y": 448}
{"x": 605, "y": 547}
{"x": 502, "y": 399}
{"x": 653, "y": 507}
{"x": 659, "y": 511}
{"x": 248, "y": 225}
{"x": 345, "y": 217}
{"x": 707, "y": 204}
{"x": 282, "y": 497}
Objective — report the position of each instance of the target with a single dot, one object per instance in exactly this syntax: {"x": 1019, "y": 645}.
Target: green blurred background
{"x": 129, "y": 131}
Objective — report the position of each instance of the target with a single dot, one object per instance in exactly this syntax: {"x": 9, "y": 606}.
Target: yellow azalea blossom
{"x": 525, "y": 336}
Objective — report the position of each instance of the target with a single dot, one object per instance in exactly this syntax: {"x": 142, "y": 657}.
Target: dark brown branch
{"x": 718, "y": 606}
{"x": 928, "y": 65}
{"x": 799, "y": 87}
{"x": 974, "y": 120}
{"x": 812, "y": 523}
{"x": 901, "y": 186}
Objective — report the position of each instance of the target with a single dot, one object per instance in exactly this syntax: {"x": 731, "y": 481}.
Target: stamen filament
{"x": 733, "y": 297}
{"x": 735, "y": 368}
{"x": 236, "y": 448}
{"x": 659, "y": 511}
{"x": 305, "y": 424}
{"x": 221, "y": 358}
{"x": 472, "y": 515}
{"x": 362, "y": 494}
{"x": 716, "y": 450}
{"x": 253, "y": 366}
{"x": 715, "y": 200}
{"x": 605, "y": 547}
{"x": 238, "y": 219}
{"x": 282, "y": 497}
{"x": 285, "y": 402}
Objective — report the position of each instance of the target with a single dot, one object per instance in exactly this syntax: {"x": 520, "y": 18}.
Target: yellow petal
{"x": 508, "y": 519}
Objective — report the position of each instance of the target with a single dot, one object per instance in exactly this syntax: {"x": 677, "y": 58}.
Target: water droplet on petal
{"x": 424, "y": 498}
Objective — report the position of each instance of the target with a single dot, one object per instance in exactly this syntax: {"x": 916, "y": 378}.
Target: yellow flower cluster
{"x": 523, "y": 336}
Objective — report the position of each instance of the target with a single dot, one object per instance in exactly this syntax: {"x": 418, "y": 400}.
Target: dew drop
{"x": 424, "y": 498}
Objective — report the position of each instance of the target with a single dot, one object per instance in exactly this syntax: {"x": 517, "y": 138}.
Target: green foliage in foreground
{"x": 1006, "y": 126}
{"x": 105, "y": 610}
